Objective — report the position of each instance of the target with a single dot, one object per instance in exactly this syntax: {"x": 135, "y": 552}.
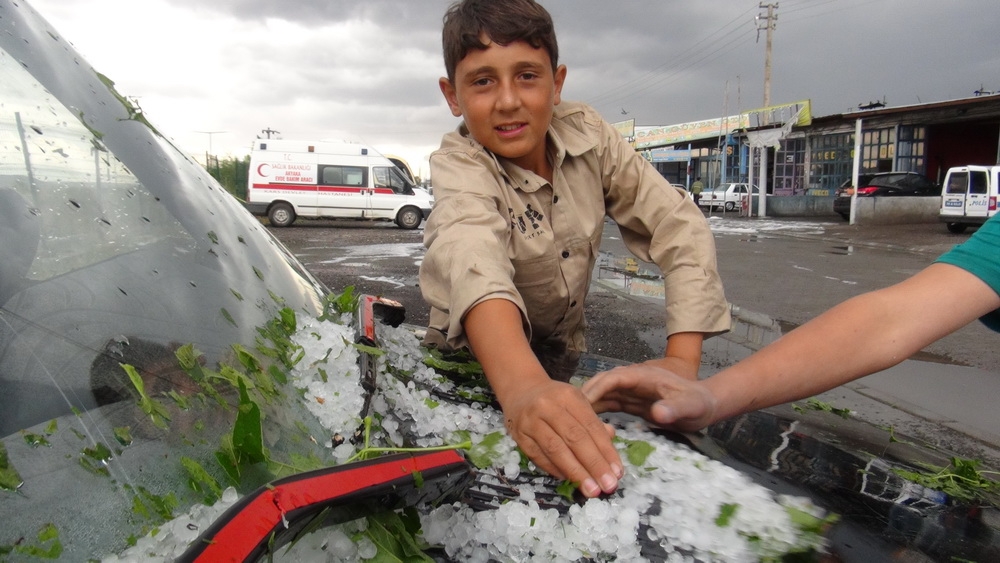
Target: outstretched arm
{"x": 551, "y": 421}
{"x": 885, "y": 327}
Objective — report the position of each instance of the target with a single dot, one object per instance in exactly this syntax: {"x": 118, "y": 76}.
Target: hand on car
{"x": 555, "y": 426}
{"x": 656, "y": 394}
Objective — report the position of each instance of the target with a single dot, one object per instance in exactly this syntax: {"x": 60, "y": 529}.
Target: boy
{"x": 889, "y": 325}
{"x": 521, "y": 192}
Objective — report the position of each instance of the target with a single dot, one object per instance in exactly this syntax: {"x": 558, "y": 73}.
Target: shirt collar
{"x": 563, "y": 140}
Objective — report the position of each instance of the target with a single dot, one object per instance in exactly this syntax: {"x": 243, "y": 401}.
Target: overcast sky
{"x": 367, "y": 70}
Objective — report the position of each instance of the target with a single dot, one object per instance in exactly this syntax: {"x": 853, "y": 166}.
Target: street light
{"x": 210, "y": 133}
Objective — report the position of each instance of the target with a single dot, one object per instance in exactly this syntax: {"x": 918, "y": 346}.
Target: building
{"x": 792, "y": 153}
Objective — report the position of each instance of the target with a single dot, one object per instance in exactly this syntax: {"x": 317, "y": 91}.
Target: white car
{"x": 729, "y": 196}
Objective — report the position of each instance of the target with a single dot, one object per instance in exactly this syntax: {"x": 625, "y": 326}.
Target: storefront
{"x": 787, "y": 151}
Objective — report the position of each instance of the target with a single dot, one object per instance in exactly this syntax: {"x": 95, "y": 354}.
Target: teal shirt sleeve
{"x": 980, "y": 256}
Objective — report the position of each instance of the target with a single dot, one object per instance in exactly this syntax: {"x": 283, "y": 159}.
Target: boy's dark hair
{"x": 503, "y": 21}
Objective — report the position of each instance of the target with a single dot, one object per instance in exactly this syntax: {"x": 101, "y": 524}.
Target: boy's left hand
{"x": 556, "y": 427}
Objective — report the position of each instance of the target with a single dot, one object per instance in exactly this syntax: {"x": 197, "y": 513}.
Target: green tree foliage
{"x": 232, "y": 173}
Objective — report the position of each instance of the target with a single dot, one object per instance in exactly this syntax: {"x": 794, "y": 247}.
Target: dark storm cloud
{"x": 668, "y": 62}
{"x": 369, "y": 69}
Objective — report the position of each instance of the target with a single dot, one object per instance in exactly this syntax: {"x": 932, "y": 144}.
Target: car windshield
{"x": 119, "y": 255}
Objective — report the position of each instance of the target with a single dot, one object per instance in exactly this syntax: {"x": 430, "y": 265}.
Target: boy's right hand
{"x": 555, "y": 426}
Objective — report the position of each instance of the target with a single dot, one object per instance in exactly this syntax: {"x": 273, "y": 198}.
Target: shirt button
{"x": 572, "y": 304}
{"x": 555, "y": 199}
{"x": 565, "y": 254}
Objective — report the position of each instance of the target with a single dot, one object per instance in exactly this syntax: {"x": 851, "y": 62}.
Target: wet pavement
{"x": 778, "y": 273}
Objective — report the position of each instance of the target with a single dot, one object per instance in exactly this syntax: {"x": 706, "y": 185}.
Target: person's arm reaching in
{"x": 885, "y": 327}
{"x": 552, "y": 422}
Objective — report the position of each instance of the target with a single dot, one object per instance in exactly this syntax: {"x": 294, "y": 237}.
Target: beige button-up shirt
{"x": 498, "y": 231}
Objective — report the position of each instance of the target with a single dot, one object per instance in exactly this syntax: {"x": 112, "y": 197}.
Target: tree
{"x": 232, "y": 173}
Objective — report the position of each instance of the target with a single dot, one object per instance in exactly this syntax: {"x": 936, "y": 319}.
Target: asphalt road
{"x": 777, "y": 274}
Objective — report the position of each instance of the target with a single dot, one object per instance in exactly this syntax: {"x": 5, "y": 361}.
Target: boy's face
{"x": 506, "y": 95}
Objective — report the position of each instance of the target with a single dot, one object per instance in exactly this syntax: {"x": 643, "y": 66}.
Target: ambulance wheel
{"x": 409, "y": 218}
{"x": 281, "y": 215}
{"x": 957, "y": 228}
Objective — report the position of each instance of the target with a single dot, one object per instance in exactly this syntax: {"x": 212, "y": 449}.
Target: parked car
{"x": 883, "y": 184}
{"x": 969, "y": 196}
{"x": 728, "y": 196}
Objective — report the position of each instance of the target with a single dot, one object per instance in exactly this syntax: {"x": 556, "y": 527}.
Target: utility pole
{"x": 269, "y": 131}
{"x": 770, "y": 21}
{"x": 210, "y": 133}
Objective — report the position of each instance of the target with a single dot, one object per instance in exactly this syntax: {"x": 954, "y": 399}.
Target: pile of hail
{"x": 673, "y": 504}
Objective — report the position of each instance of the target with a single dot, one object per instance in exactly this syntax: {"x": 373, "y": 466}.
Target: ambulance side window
{"x": 391, "y": 177}
{"x": 353, "y": 176}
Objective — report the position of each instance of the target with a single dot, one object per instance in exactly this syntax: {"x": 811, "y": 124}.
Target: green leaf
{"x": 246, "y": 359}
{"x": 248, "y": 436}
{"x": 418, "y": 479}
{"x": 337, "y": 304}
{"x": 187, "y": 356}
{"x": 394, "y": 541}
{"x": 35, "y": 440}
{"x": 726, "y": 513}
{"x": 98, "y": 452}
{"x": 637, "y": 451}
{"x": 456, "y": 363}
{"x": 961, "y": 479}
{"x": 277, "y": 374}
{"x": 808, "y": 523}
{"x": 152, "y": 506}
{"x": 818, "y": 405}
{"x": 123, "y": 434}
{"x": 483, "y": 453}
{"x": 201, "y": 480}
{"x": 9, "y": 477}
{"x": 287, "y": 318}
{"x": 566, "y": 489}
{"x": 371, "y": 350}
{"x": 228, "y": 316}
{"x": 49, "y": 534}
{"x": 157, "y": 412}
{"x": 226, "y": 456}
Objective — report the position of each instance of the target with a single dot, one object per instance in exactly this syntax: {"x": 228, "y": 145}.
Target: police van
{"x": 969, "y": 196}
{"x": 290, "y": 179}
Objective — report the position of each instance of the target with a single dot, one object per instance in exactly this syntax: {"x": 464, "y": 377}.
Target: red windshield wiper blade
{"x": 276, "y": 513}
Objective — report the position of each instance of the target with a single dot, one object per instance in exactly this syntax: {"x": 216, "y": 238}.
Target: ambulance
{"x": 969, "y": 196}
{"x": 320, "y": 179}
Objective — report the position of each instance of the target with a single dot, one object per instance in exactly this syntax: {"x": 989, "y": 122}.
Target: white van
{"x": 290, "y": 179}
{"x": 969, "y": 196}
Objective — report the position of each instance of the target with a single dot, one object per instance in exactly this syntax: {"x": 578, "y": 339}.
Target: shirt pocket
{"x": 538, "y": 283}
{"x": 535, "y": 272}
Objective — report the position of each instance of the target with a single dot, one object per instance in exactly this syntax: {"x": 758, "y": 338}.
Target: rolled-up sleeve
{"x": 660, "y": 224}
{"x": 466, "y": 261}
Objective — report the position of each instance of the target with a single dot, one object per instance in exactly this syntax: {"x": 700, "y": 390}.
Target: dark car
{"x": 884, "y": 184}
